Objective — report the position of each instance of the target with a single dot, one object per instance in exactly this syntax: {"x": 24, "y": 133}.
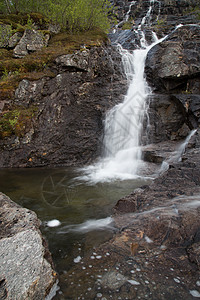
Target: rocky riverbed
{"x": 155, "y": 251}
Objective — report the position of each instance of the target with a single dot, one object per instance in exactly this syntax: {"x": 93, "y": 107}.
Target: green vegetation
{"x": 36, "y": 65}
{"x": 161, "y": 22}
{"x": 195, "y": 10}
{"x": 128, "y": 25}
{"x": 83, "y": 22}
{"x": 76, "y": 15}
{"x": 17, "y": 121}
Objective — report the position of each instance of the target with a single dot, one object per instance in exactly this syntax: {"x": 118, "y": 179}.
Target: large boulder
{"x": 78, "y": 60}
{"x": 31, "y": 40}
{"x": 26, "y": 269}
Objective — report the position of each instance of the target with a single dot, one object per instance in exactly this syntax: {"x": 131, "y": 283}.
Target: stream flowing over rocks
{"x": 155, "y": 250}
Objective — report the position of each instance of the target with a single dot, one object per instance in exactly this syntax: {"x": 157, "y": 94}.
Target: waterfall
{"x": 123, "y": 124}
{"x": 126, "y": 18}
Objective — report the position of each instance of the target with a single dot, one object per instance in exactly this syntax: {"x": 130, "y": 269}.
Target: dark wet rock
{"x": 164, "y": 11}
{"x": 159, "y": 152}
{"x": 26, "y": 270}
{"x": 155, "y": 251}
{"x": 172, "y": 70}
{"x": 131, "y": 38}
{"x": 172, "y": 62}
{"x": 164, "y": 17}
{"x": 31, "y": 40}
{"x": 67, "y": 126}
{"x": 191, "y": 103}
{"x": 168, "y": 119}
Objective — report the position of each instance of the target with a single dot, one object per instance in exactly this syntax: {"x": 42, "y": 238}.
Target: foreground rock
{"x": 26, "y": 270}
{"x": 155, "y": 252}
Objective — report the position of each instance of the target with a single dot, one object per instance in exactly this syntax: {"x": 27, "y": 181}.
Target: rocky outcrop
{"x": 171, "y": 63}
{"x": 172, "y": 70}
{"x": 67, "y": 124}
{"x": 31, "y": 40}
{"x": 26, "y": 269}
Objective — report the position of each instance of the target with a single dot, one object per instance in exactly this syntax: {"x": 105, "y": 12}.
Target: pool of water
{"x": 83, "y": 210}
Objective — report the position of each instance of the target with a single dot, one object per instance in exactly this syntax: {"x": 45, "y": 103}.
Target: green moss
{"x": 36, "y": 65}
{"x": 128, "y": 25}
{"x": 19, "y": 21}
{"x": 17, "y": 121}
{"x": 61, "y": 43}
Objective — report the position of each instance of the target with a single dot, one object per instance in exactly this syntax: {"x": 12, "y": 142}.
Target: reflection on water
{"x": 83, "y": 211}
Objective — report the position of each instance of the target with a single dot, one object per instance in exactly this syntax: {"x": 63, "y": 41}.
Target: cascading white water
{"x": 126, "y": 18}
{"x": 123, "y": 123}
{"x": 177, "y": 155}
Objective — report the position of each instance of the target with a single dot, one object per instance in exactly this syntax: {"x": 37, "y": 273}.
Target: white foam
{"x": 89, "y": 225}
{"x": 53, "y": 223}
{"x": 94, "y": 224}
{"x": 77, "y": 259}
{"x": 195, "y": 293}
{"x": 133, "y": 282}
{"x": 53, "y": 291}
{"x": 148, "y": 240}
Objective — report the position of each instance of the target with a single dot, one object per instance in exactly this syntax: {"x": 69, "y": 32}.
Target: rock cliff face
{"x": 172, "y": 70}
{"x": 169, "y": 11}
{"x": 26, "y": 269}
{"x": 67, "y": 126}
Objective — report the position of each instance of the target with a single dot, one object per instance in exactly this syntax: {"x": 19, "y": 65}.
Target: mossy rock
{"x": 5, "y": 34}
{"x": 17, "y": 121}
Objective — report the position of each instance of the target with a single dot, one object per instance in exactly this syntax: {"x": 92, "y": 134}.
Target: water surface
{"x": 82, "y": 209}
